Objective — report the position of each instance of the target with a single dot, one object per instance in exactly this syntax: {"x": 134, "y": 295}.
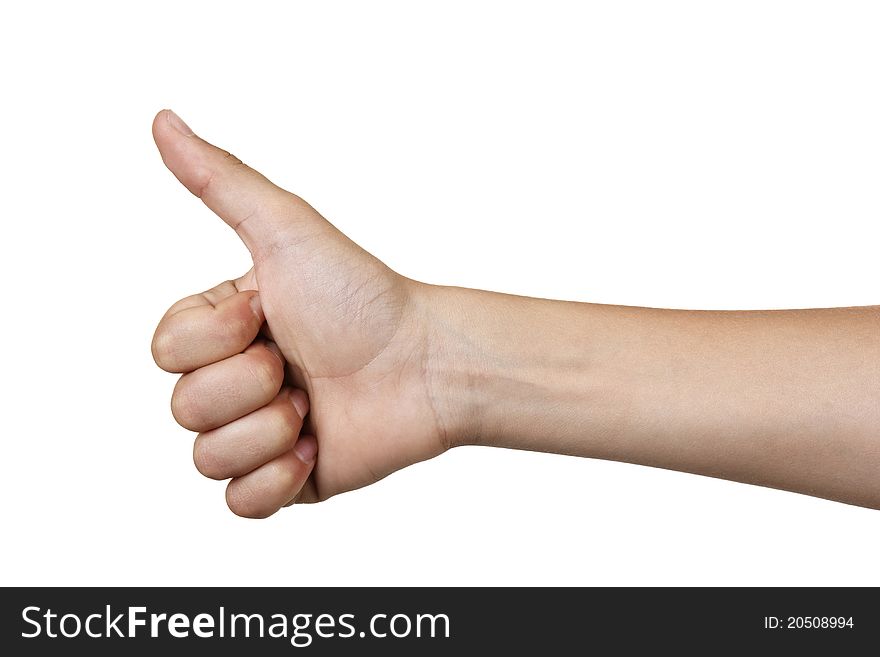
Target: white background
{"x": 684, "y": 154}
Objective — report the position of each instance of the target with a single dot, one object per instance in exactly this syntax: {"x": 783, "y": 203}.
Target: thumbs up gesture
{"x": 311, "y": 374}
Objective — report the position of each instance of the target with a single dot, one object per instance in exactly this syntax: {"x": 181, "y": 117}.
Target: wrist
{"x": 508, "y": 371}
{"x": 451, "y": 377}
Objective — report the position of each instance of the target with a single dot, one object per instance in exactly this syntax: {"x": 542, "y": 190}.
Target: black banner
{"x": 333, "y": 621}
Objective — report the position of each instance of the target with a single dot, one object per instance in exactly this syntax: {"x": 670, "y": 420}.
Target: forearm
{"x": 789, "y": 399}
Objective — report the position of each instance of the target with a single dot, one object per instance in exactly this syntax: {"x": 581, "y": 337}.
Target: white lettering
{"x": 77, "y": 625}
{"x": 203, "y": 626}
{"x": 178, "y": 626}
{"x": 134, "y": 621}
{"x": 113, "y": 625}
{"x": 24, "y": 617}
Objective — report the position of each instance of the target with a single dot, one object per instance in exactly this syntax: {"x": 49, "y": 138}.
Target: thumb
{"x": 260, "y": 212}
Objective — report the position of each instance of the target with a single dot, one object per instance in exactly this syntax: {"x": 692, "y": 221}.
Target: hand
{"x": 349, "y": 332}
{"x": 395, "y": 371}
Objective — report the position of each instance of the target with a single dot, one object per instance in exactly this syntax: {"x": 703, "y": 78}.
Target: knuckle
{"x": 244, "y": 501}
{"x": 238, "y": 333}
{"x": 206, "y": 459}
{"x": 162, "y": 349}
{"x": 268, "y": 374}
{"x": 185, "y": 408}
{"x": 285, "y": 473}
{"x": 285, "y": 421}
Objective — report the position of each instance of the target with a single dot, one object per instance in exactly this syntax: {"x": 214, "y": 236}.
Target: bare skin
{"x": 321, "y": 370}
